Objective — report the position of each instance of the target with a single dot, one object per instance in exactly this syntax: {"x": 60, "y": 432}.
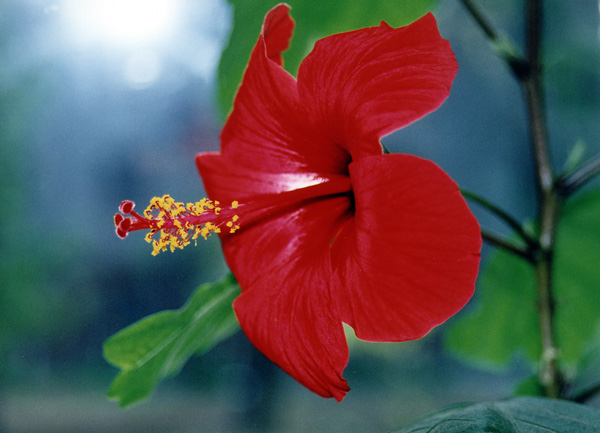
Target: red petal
{"x": 364, "y": 84}
{"x": 286, "y": 309}
{"x": 409, "y": 258}
{"x": 267, "y": 129}
{"x": 225, "y": 181}
{"x": 277, "y": 31}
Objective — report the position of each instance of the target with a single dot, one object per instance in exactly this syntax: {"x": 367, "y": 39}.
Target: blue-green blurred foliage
{"x": 159, "y": 345}
{"x": 506, "y": 323}
{"x": 75, "y": 140}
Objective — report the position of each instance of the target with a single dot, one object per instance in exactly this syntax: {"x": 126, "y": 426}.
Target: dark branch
{"x": 501, "y": 44}
{"x": 549, "y": 202}
{"x": 567, "y": 185}
{"x": 507, "y": 245}
{"x": 504, "y": 216}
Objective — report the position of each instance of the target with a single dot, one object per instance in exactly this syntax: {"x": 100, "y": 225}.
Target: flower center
{"x": 174, "y": 225}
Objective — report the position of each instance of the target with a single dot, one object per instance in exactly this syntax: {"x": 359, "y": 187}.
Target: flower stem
{"x": 567, "y": 185}
{"x": 485, "y": 25}
{"x": 528, "y": 71}
{"x": 504, "y": 216}
{"x": 501, "y": 44}
{"x": 586, "y": 395}
{"x": 550, "y": 191}
{"x": 507, "y": 245}
{"x": 549, "y": 202}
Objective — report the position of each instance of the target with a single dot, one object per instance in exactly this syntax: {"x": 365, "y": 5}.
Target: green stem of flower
{"x": 485, "y": 25}
{"x": 501, "y": 44}
{"x": 586, "y": 395}
{"x": 504, "y": 216}
{"x": 528, "y": 71}
{"x": 507, "y": 245}
{"x": 567, "y": 185}
{"x": 549, "y": 202}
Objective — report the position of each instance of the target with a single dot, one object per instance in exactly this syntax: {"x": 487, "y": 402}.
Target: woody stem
{"x": 549, "y": 202}
{"x": 571, "y": 183}
{"x": 501, "y": 44}
{"x": 503, "y": 215}
{"x": 527, "y": 69}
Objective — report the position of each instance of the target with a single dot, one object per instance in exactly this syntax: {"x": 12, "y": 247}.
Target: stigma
{"x": 172, "y": 225}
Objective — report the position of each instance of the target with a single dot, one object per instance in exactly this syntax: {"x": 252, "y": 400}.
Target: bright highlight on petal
{"x": 174, "y": 225}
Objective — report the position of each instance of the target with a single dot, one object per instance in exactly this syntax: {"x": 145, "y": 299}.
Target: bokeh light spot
{"x": 143, "y": 68}
{"x": 122, "y": 21}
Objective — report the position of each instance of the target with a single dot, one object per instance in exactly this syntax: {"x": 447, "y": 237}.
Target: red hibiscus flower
{"x": 334, "y": 230}
{"x": 329, "y": 229}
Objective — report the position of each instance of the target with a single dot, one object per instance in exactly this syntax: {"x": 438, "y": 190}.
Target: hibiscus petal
{"x": 364, "y": 84}
{"x": 226, "y": 181}
{"x": 286, "y": 309}
{"x": 283, "y": 267}
{"x": 267, "y": 128}
{"x": 409, "y": 258}
{"x": 277, "y": 31}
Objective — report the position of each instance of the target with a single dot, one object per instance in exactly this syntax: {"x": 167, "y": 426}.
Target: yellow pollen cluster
{"x": 179, "y": 224}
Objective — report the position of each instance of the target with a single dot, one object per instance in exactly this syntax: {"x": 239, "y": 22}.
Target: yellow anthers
{"x": 148, "y": 237}
{"x": 231, "y": 224}
{"x": 211, "y": 227}
{"x": 204, "y": 232}
{"x": 173, "y": 224}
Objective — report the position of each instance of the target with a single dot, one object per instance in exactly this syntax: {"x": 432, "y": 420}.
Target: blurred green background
{"x": 102, "y": 101}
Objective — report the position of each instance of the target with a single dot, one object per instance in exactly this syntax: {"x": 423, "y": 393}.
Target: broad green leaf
{"x": 505, "y": 322}
{"x": 159, "y": 345}
{"x": 517, "y": 415}
{"x": 314, "y": 20}
{"x": 529, "y": 386}
{"x": 586, "y": 383}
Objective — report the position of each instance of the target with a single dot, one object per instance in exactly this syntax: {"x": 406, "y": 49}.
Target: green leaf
{"x": 505, "y": 322}
{"x": 530, "y": 386}
{"x": 586, "y": 383}
{"x": 517, "y": 415}
{"x": 159, "y": 345}
{"x": 574, "y": 157}
{"x": 314, "y": 20}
